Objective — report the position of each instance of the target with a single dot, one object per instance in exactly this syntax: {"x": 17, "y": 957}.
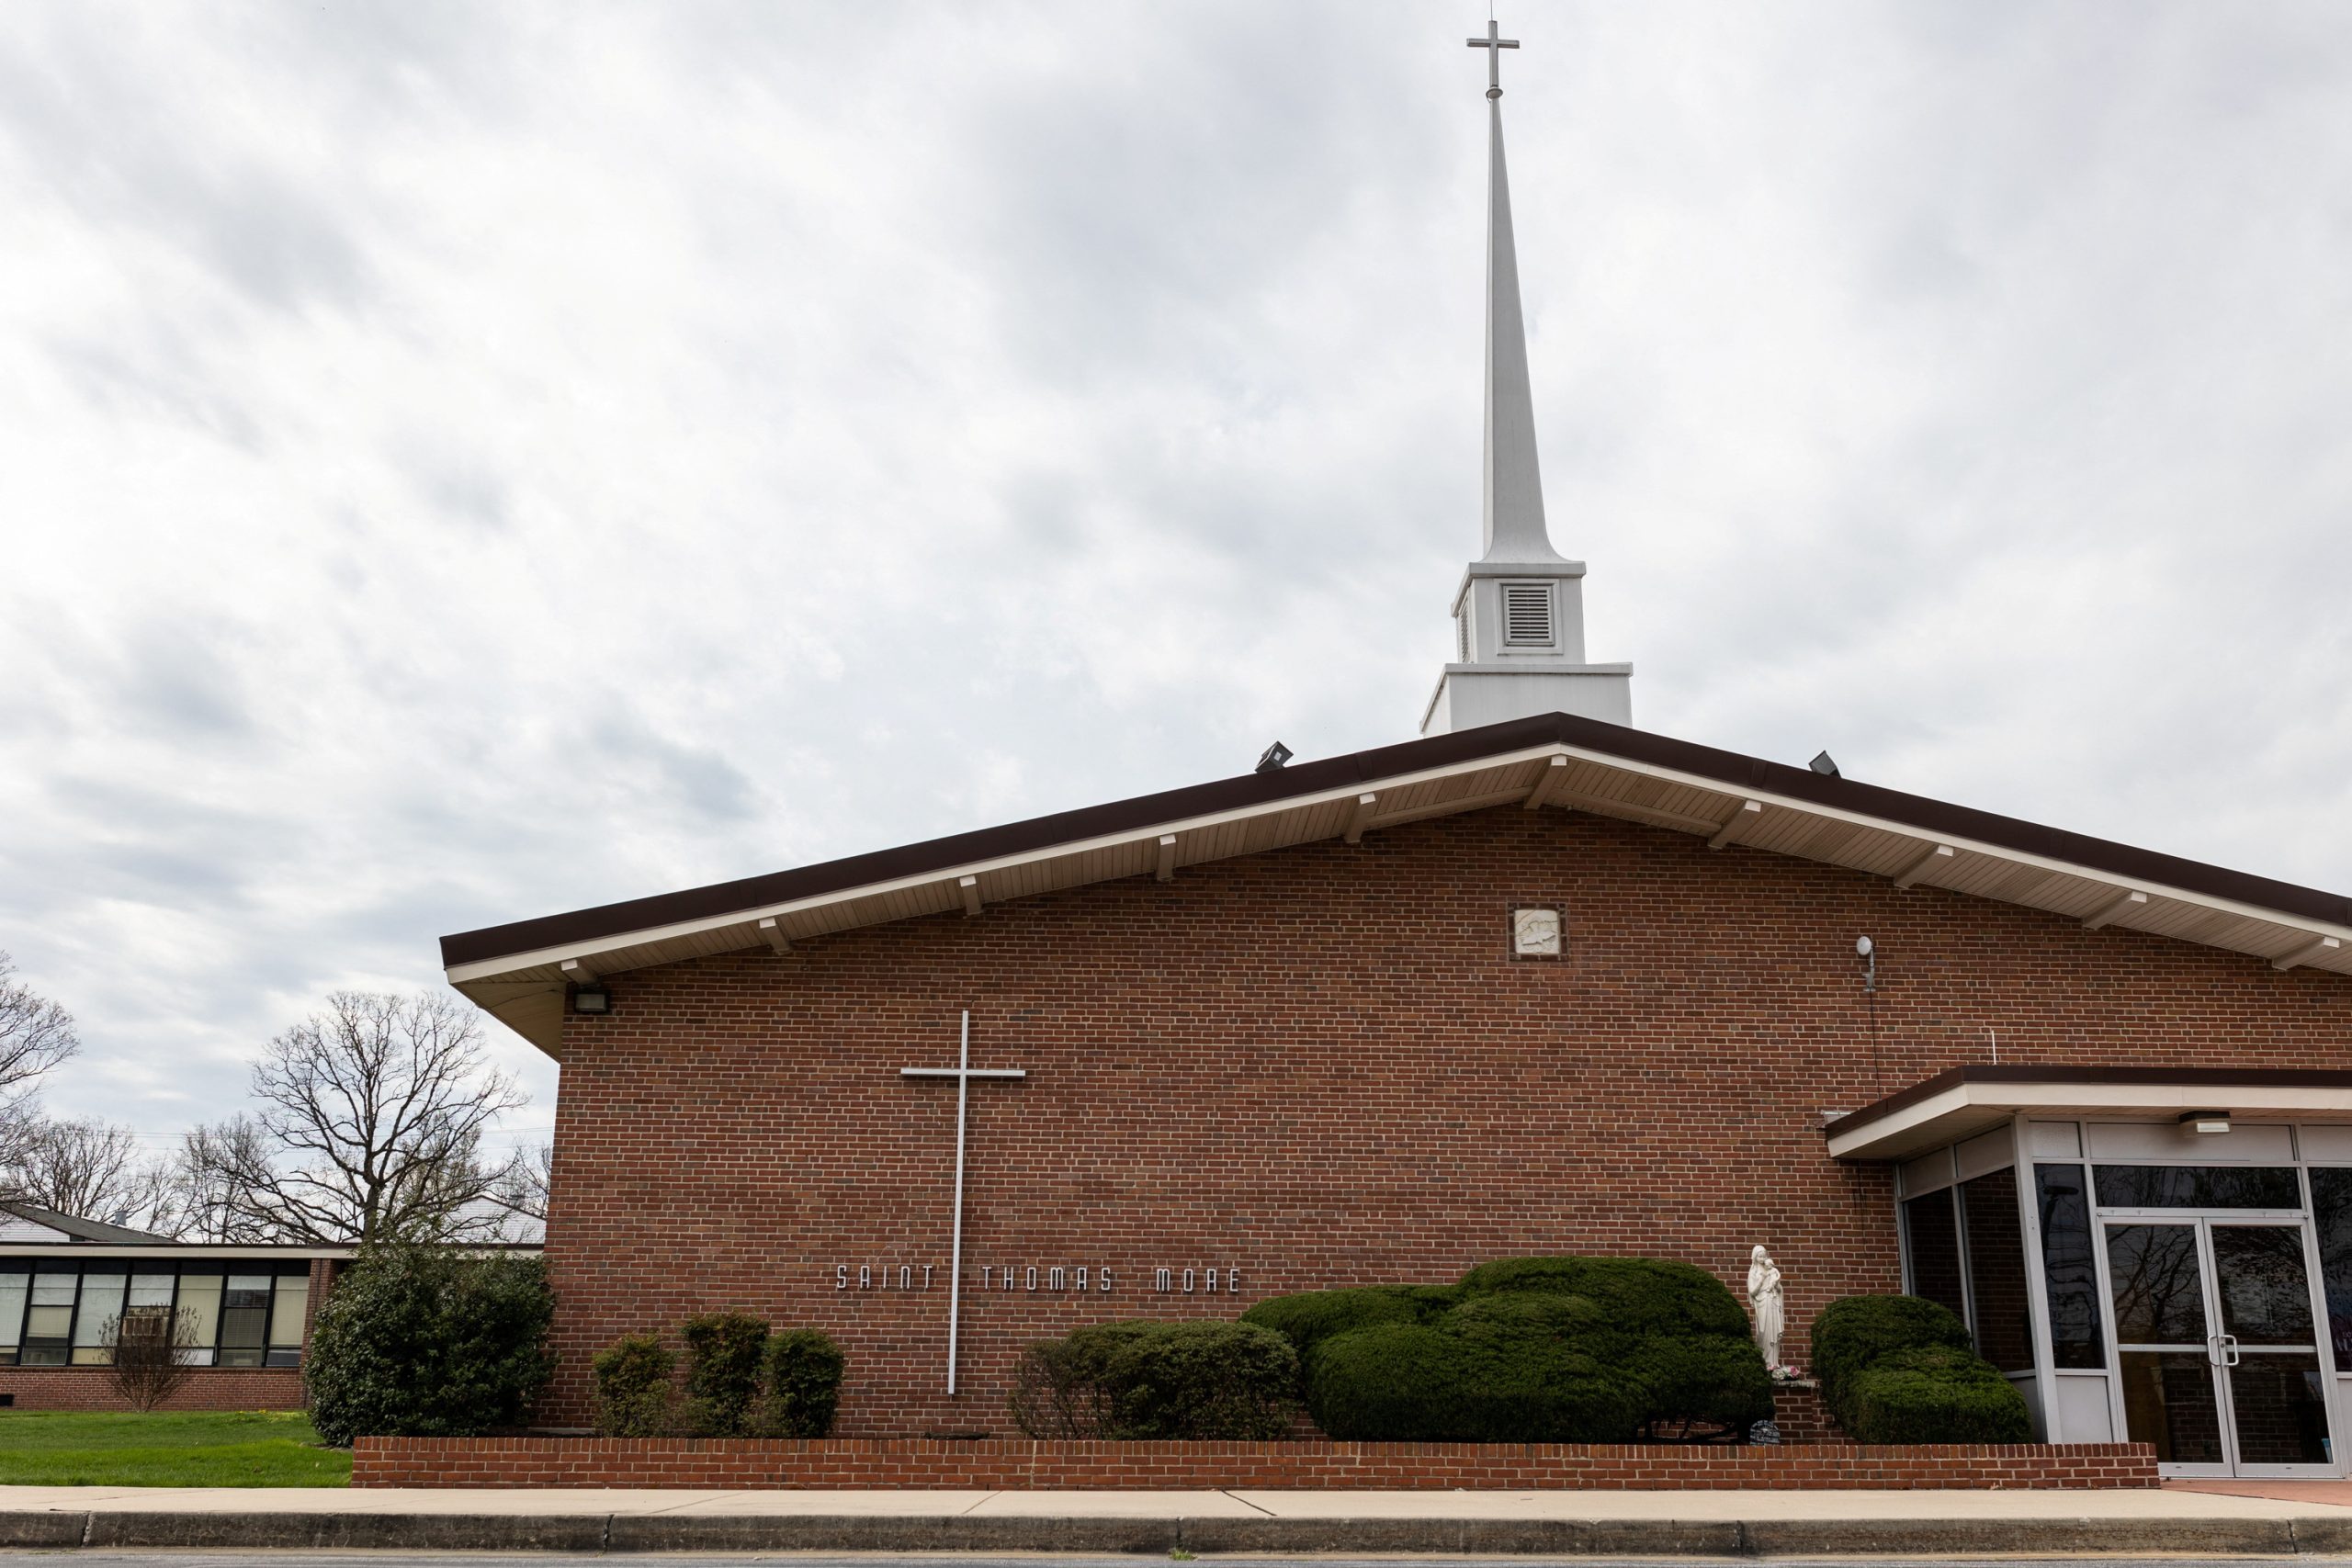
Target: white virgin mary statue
{"x": 1764, "y": 1302}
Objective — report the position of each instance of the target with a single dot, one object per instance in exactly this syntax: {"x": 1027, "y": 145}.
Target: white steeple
{"x": 1519, "y": 615}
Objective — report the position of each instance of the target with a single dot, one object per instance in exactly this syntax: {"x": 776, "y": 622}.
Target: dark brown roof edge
{"x": 166, "y": 1244}
{"x": 85, "y": 1232}
{"x": 1985, "y": 1073}
{"x": 1729, "y": 769}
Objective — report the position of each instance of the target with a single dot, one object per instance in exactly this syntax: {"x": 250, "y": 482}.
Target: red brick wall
{"x": 1321, "y": 1066}
{"x": 1801, "y": 1416}
{"x": 206, "y": 1387}
{"x": 673, "y": 1462}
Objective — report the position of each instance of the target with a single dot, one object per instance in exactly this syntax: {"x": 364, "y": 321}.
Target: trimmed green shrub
{"x": 1902, "y": 1370}
{"x": 633, "y": 1392}
{"x": 1415, "y": 1383}
{"x": 1140, "y": 1380}
{"x": 1716, "y": 1380}
{"x": 1236, "y": 1382}
{"x": 1936, "y": 1395}
{"x": 723, "y": 1350}
{"x": 801, "y": 1373}
{"x": 429, "y": 1342}
{"x": 1648, "y": 1295}
{"x": 1061, "y": 1388}
{"x": 1853, "y": 1332}
{"x": 1311, "y": 1316}
{"x": 1530, "y": 1349}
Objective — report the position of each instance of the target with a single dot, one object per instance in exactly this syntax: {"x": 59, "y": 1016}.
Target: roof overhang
{"x": 1965, "y": 1100}
{"x": 517, "y": 972}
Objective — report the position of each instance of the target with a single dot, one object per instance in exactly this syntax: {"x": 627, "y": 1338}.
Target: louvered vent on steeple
{"x": 1527, "y": 614}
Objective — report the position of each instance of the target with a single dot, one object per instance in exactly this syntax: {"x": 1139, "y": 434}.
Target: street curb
{"x": 596, "y": 1533}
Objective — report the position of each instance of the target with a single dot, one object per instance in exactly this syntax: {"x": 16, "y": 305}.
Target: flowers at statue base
{"x": 1785, "y": 1373}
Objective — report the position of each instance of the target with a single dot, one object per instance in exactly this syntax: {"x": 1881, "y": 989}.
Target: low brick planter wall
{"x": 858, "y": 1462}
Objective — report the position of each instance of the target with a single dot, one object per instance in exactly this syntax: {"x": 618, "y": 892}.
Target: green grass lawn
{"x": 244, "y": 1448}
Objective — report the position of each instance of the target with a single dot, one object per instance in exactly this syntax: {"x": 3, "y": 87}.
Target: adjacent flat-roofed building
{"x": 66, "y": 1282}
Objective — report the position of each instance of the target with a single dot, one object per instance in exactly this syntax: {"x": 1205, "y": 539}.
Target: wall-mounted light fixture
{"x": 2205, "y": 1120}
{"x": 591, "y": 997}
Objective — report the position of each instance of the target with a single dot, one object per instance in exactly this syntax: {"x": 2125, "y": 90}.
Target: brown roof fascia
{"x": 1985, "y": 1073}
{"x": 1729, "y": 769}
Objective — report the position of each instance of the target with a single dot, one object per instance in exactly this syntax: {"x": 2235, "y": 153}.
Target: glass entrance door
{"x": 2217, "y": 1346}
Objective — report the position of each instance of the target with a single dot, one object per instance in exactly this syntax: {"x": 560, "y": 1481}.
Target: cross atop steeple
{"x": 1494, "y": 44}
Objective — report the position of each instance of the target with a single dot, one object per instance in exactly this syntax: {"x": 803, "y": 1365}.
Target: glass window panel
{"x": 2265, "y": 1294}
{"x": 2158, "y": 1283}
{"x": 2280, "y": 1410}
{"x": 1932, "y": 1239}
{"x": 241, "y": 1336}
{"x": 94, "y": 1322}
{"x": 286, "y": 1317}
{"x": 201, "y": 1308}
{"x": 1997, "y": 1276}
{"x": 48, "y": 1315}
{"x": 2169, "y": 1400}
{"x": 149, "y": 1290}
{"x": 2199, "y": 1187}
{"x": 2332, "y": 1211}
{"x": 244, "y": 1320}
{"x": 14, "y": 1289}
{"x": 2071, "y": 1267}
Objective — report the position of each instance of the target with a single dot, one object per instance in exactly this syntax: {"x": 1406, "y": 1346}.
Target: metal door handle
{"x": 2229, "y": 1349}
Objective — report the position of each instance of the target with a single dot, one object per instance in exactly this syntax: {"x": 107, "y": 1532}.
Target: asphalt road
{"x": 967, "y": 1560}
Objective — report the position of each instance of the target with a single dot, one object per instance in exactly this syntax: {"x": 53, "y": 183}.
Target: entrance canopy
{"x": 1965, "y": 1100}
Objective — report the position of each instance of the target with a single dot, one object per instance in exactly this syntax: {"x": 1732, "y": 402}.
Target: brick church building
{"x": 1538, "y": 981}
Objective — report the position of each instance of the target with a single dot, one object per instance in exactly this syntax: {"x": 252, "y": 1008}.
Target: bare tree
{"x": 151, "y": 1354}
{"x": 88, "y": 1168}
{"x": 204, "y": 1196}
{"x": 371, "y": 1123}
{"x": 36, "y": 1034}
{"x": 525, "y": 1193}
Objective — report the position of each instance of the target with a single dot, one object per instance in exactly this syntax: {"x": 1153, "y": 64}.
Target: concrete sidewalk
{"x": 2212, "y": 1518}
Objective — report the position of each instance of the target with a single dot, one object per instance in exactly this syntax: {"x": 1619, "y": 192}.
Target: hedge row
{"x": 1530, "y": 1349}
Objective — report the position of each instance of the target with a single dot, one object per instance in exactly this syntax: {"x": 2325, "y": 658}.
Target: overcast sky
{"x": 466, "y": 462}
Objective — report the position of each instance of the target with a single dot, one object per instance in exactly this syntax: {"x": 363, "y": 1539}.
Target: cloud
{"x": 467, "y": 465}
